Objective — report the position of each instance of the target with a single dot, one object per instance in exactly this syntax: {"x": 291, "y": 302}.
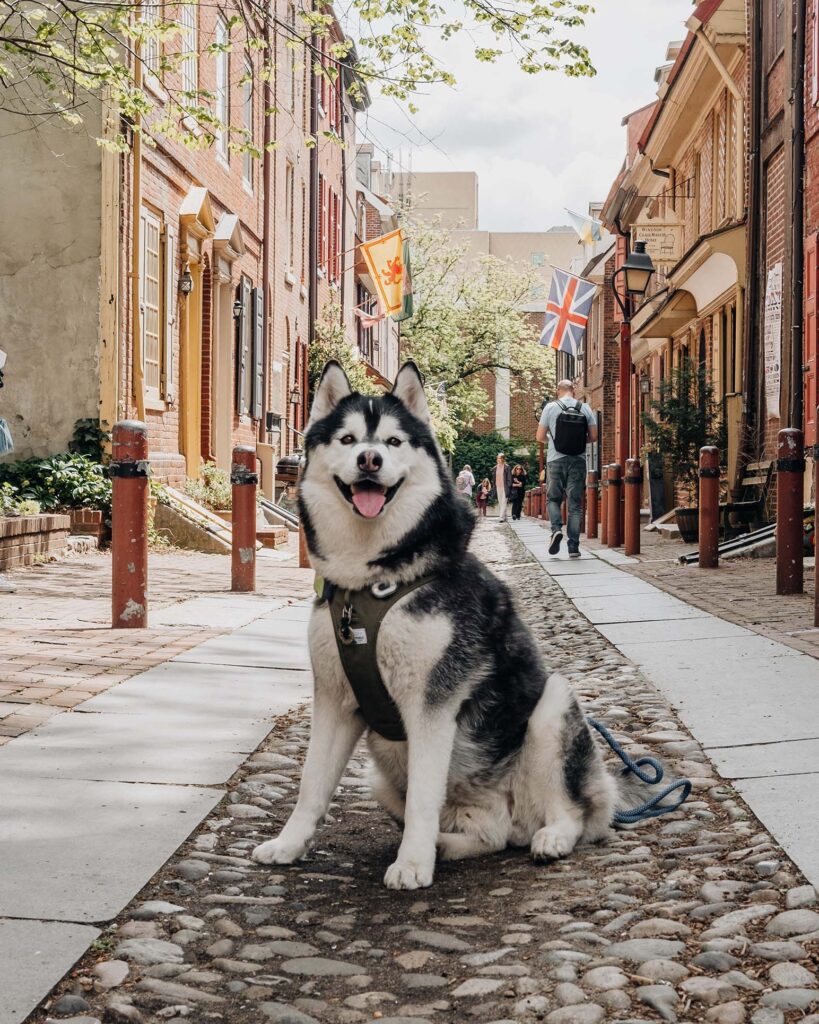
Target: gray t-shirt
{"x": 548, "y": 420}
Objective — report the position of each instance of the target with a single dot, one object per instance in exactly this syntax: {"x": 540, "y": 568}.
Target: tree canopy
{"x": 54, "y": 54}
{"x": 469, "y": 324}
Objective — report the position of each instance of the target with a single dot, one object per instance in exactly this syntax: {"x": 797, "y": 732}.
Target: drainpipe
{"x": 267, "y": 290}
{"x": 136, "y": 213}
{"x": 312, "y": 252}
{"x": 734, "y": 90}
{"x": 798, "y": 243}
{"x": 750, "y": 335}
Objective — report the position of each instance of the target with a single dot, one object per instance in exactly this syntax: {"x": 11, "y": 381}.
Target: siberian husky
{"x": 498, "y": 751}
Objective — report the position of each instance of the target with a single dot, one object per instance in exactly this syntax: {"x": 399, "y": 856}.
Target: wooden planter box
{"x": 24, "y": 539}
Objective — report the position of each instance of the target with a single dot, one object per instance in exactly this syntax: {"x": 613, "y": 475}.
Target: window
{"x": 222, "y": 86}
{"x": 538, "y": 259}
{"x": 339, "y": 243}
{"x": 247, "y": 115}
{"x": 190, "y": 48}
{"x": 322, "y": 73}
{"x": 322, "y": 225}
{"x": 244, "y": 337}
{"x": 290, "y": 215}
{"x": 151, "y": 47}
{"x": 157, "y": 300}
{"x": 303, "y": 234}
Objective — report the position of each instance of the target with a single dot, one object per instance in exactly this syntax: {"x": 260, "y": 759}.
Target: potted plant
{"x": 682, "y": 419}
{"x": 213, "y": 491}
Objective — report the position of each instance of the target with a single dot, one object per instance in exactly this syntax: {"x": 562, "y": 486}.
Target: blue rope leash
{"x": 651, "y": 808}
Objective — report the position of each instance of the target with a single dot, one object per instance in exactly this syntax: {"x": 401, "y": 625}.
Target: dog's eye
{"x": 396, "y": 442}
{"x": 348, "y": 439}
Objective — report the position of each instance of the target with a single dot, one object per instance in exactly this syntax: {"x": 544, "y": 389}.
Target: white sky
{"x": 538, "y": 143}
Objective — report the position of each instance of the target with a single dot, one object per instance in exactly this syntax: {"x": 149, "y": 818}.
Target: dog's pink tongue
{"x": 369, "y": 502}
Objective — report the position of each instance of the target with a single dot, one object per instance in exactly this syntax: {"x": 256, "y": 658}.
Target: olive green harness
{"x": 357, "y": 616}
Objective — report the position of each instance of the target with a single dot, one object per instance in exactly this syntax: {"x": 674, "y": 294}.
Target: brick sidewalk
{"x": 741, "y": 590}
{"x": 56, "y": 645}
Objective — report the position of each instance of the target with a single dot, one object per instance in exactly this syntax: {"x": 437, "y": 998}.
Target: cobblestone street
{"x": 696, "y": 917}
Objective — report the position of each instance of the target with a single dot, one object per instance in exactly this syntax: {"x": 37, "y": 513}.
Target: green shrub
{"x": 59, "y": 482}
{"x": 29, "y": 508}
{"x": 89, "y": 439}
{"x": 480, "y": 451}
{"x": 8, "y": 499}
{"x": 213, "y": 490}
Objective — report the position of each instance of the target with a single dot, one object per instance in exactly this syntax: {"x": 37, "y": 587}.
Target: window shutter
{"x": 257, "y": 396}
{"x": 142, "y": 293}
{"x": 169, "y": 383}
{"x": 241, "y": 367}
{"x": 339, "y": 240}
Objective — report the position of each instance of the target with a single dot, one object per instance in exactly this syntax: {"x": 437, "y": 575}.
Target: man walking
{"x": 503, "y": 485}
{"x": 569, "y": 426}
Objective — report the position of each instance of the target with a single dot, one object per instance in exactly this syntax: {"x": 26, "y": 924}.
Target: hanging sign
{"x": 773, "y": 340}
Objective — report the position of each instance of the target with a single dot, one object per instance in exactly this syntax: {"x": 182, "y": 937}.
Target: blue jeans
{"x": 567, "y": 477}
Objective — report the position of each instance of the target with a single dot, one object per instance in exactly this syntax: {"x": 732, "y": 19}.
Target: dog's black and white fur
{"x": 498, "y": 752}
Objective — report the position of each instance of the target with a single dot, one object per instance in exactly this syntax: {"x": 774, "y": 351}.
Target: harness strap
{"x": 357, "y": 616}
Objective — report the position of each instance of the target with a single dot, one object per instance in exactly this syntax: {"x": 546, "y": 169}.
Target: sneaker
{"x": 557, "y": 537}
{"x": 574, "y": 551}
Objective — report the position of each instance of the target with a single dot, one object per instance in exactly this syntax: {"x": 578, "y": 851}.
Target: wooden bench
{"x": 749, "y": 511}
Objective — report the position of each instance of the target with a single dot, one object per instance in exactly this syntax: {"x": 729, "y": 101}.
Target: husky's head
{"x": 376, "y": 497}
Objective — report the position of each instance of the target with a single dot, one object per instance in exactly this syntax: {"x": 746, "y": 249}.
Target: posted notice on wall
{"x": 773, "y": 339}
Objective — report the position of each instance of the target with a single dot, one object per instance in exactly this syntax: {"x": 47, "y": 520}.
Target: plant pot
{"x": 224, "y": 513}
{"x": 688, "y": 522}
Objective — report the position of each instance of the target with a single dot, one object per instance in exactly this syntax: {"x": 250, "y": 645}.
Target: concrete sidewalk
{"x": 94, "y": 802}
{"x": 752, "y": 702}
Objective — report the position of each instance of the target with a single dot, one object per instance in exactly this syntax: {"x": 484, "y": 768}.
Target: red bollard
{"x": 129, "y": 472}
{"x": 244, "y": 478}
{"x": 709, "y": 508}
{"x": 604, "y": 506}
{"x": 615, "y": 487}
{"x": 790, "y": 495}
{"x": 633, "y": 482}
{"x": 591, "y": 504}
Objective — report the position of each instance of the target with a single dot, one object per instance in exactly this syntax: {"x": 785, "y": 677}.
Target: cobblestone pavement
{"x": 695, "y": 917}
{"x": 56, "y": 645}
{"x": 742, "y": 590}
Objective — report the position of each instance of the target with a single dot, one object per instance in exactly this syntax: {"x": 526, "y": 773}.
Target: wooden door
{"x": 810, "y": 339}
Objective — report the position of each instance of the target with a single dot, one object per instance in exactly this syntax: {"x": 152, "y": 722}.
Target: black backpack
{"x": 571, "y": 430}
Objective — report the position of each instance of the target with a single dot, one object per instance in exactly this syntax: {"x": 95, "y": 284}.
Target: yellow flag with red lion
{"x": 387, "y": 260}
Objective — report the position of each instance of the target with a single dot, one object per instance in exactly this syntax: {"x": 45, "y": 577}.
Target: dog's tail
{"x": 642, "y": 791}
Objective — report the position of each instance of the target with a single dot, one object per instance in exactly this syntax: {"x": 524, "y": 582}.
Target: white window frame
{"x": 152, "y": 298}
{"x": 247, "y": 120}
{"x": 189, "y": 66}
{"x": 222, "y": 37}
{"x": 291, "y": 55}
{"x": 151, "y": 45}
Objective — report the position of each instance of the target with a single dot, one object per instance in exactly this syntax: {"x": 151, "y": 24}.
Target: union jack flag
{"x": 567, "y": 312}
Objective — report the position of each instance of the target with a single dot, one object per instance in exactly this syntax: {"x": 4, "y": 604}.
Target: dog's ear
{"x": 332, "y": 387}
{"x": 409, "y": 388}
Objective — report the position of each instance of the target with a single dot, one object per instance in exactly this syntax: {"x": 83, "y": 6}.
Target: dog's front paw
{"x": 552, "y": 843}
{"x": 409, "y": 875}
{"x": 274, "y": 851}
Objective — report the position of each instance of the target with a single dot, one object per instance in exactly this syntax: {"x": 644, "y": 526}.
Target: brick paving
{"x": 741, "y": 590}
{"x": 56, "y": 645}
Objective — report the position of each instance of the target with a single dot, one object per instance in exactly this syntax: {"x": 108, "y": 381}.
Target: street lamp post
{"x": 636, "y": 272}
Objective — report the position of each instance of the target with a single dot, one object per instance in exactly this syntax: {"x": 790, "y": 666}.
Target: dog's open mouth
{"x": 367, "y": 497}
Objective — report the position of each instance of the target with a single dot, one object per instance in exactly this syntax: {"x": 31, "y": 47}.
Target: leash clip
{"x": 345, "y": 633}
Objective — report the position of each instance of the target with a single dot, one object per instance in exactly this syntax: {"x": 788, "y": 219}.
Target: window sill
{"x": 154, "y": 85}
{"x": 189, "y": 123}
{"x": 321, "y": 274}
{"x": 223, "y": 161}
{"x": 289, "y": 278}
{"x": 154, "y": 404}
{"x": 303, "y": 291}
{"x": 247, "y": 186}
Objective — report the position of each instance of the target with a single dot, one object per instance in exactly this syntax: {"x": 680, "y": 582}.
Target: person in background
{"x": 465, "y": 481}
{"x": 569, "y": 425}
{"x": 519, "y": 478}
{"x": 503, "y": 485}
{"x": 482, "y": 496}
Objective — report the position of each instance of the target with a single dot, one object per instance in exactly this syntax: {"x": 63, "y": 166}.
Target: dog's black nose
{"x": 370, "y": 461}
